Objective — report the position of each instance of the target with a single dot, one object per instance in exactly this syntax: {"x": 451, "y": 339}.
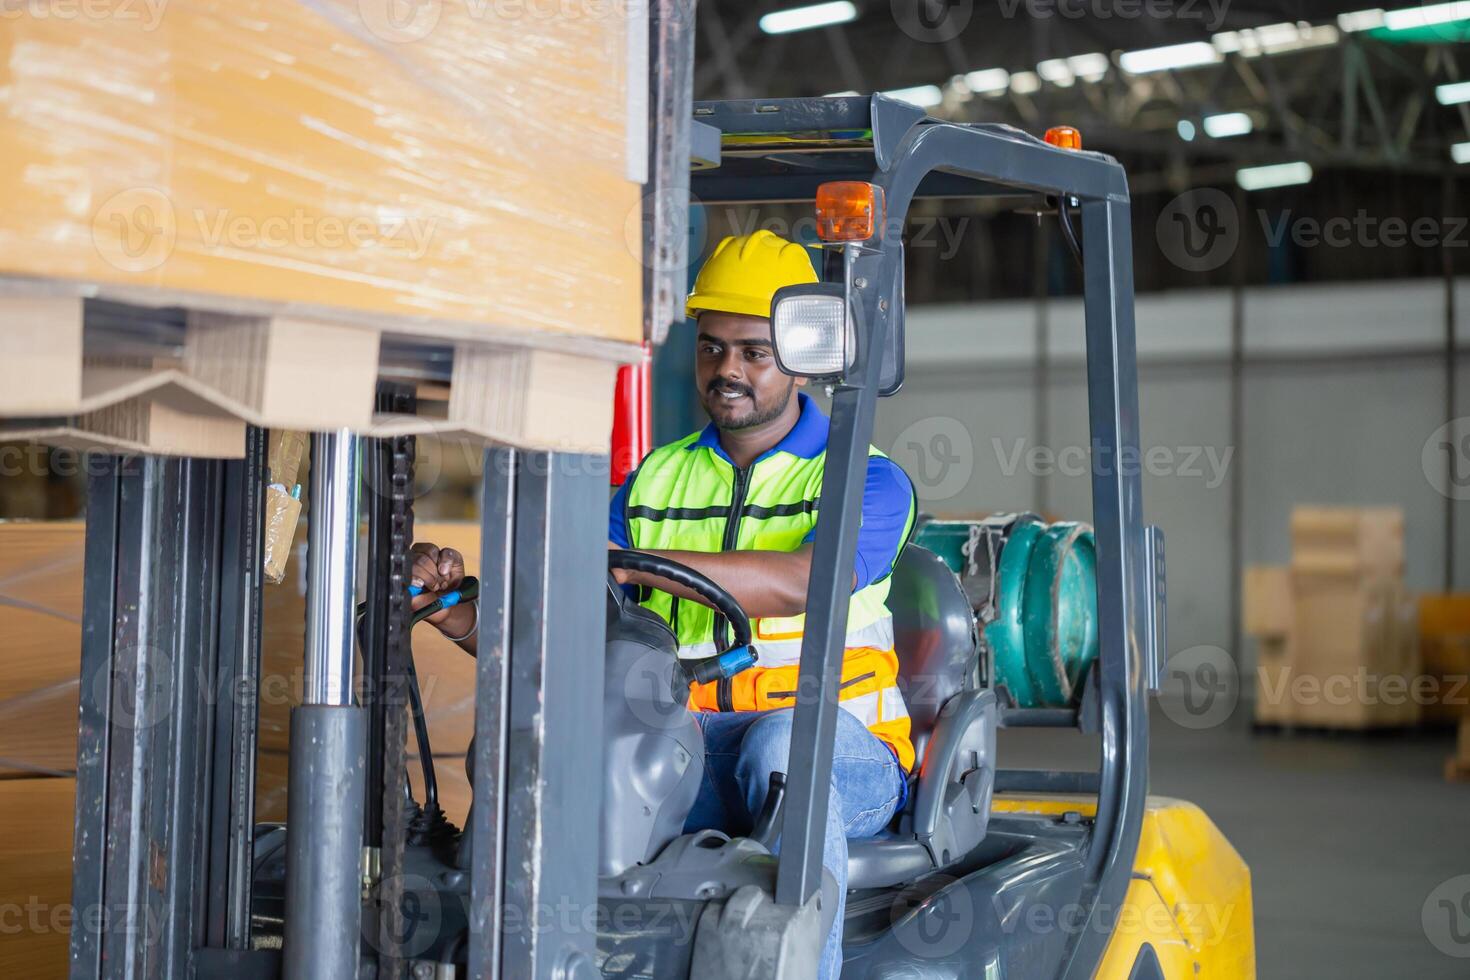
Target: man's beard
{"x": 758, "y": 414}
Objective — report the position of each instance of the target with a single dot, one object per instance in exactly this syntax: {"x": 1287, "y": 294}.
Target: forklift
{"x": 574, "y": 863}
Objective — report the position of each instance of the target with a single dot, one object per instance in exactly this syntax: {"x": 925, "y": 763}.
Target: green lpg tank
{"x": 1033, "y": 587}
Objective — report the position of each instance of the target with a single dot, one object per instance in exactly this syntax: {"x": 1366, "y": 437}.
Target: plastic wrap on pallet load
{"x": 383, "y": 158}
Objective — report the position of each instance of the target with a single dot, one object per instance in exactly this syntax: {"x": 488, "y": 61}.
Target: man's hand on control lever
{"x": 437, "y": 570}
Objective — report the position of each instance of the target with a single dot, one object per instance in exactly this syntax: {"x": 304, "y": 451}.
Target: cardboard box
{"x": 1266, "y": 600}
{"x": 1354, "y": 658}
{"x": 468, "y": 171}
{"x": 1347, "y": 542}
{"x": 1335, "y": 628}
{"x": 1273, "y": 677}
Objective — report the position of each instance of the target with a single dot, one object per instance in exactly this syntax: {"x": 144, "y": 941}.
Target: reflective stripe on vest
{"x": 686, "y": 497}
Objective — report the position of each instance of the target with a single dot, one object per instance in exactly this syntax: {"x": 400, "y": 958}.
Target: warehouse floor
{"x": 1345, "y": 836}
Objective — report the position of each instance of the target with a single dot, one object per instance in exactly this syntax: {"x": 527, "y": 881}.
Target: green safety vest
{"x": 688, "y": 497}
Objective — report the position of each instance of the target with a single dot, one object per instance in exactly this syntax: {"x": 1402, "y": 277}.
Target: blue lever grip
{"x": 415, "y": 589}
{"x": 734, "y": 661}
{"x": 451, "y": 599}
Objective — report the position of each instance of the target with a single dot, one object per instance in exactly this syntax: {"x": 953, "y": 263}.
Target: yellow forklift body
{"x": 1190, "y": 897}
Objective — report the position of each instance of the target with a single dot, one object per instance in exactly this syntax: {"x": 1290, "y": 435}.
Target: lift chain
{"x": 397, "y": 815}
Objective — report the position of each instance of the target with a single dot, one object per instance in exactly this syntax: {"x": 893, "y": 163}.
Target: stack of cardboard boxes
{"x": 1335, "y": 629}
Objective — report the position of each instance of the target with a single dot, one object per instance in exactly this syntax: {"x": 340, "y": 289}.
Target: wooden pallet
{"x": 280, "y": 370}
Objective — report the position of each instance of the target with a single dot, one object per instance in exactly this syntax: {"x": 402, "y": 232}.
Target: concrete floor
{"x": 1346, "y": 836}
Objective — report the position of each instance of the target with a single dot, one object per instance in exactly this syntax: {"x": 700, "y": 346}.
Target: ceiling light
{"x": 1025, "y": 82}
{"x": 923, "y": 96}
{"x": 1361, "y": 20}
{"x": 1273, "y": 175}
{"x": 1460, "y": 153}
{"x": 1452, "y": 94}
{"x": 1274, "y": 39}
{"x": 806, "y": 18}
{"x": 1089, "y": 67}
{"x": 988, "y": 81}
{"x": 1056, "y": 72}
{"x": 1412, "y": 17}
{"x": 1186, "y": 130}
{"x": 1170, "y": 56}
{"x": 1226, "y": 124}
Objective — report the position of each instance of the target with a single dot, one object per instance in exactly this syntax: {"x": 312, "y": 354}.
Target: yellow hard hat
{"x": 744, "y": 273}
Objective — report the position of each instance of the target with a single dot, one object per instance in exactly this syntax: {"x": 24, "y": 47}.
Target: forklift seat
{"x": 953, "y": 731}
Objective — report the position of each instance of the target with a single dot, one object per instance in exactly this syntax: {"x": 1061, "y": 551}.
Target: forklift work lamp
{"x": 812, "y": 331}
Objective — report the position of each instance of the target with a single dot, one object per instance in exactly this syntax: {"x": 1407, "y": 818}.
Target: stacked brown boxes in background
{"x": 1335, "y": 629}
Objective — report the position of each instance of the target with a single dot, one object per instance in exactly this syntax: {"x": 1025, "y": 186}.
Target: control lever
{"x": 768, "y": 824}
{"x": 723, "y": 667}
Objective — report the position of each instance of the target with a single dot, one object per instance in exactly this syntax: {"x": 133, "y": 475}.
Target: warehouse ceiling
{"x": 1353, "y": 97}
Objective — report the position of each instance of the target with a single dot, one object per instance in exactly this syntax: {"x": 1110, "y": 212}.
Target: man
{"x": 738, "y": 502}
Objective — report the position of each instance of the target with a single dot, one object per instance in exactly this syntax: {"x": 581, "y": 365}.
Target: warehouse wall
{"x": 1343, "y": 385}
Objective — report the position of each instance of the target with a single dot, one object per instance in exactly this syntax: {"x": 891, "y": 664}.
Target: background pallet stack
{"x": 1335, "y": 629}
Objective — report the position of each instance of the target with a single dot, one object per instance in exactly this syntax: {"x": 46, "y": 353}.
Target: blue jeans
{"x": 743, "y": 748}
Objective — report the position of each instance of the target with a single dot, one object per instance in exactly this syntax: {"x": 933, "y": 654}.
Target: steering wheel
{"x": 741, "y": 654}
